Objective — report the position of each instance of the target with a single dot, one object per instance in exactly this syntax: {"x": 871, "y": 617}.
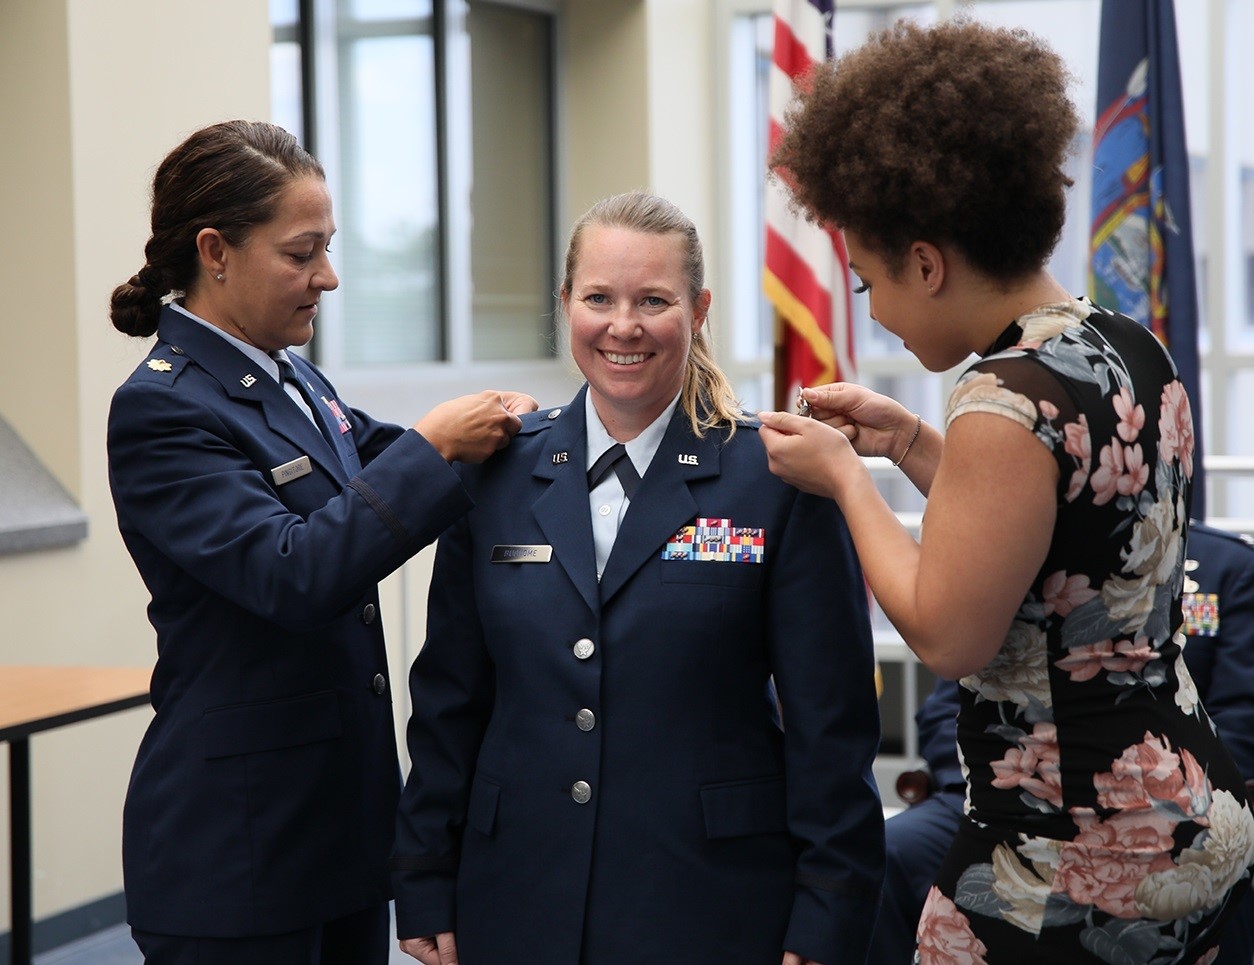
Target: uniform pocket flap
{"x": 738, "y": 808}
{"x": 481, "y": 812}
{"x": 271, "y": 724}
{"x": 723, "y": 573}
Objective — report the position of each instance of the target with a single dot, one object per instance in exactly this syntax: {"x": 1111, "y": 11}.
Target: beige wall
{"x": 107, "y": 88}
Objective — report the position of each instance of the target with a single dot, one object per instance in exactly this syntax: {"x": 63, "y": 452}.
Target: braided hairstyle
{"x": 227, "y": 176}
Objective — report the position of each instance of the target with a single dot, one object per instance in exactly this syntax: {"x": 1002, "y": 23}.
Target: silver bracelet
{"x": 918, "y": 424}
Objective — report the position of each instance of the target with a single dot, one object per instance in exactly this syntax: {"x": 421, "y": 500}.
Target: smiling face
{"x": 271, "y": 284}
{"x": 632, "y": 320}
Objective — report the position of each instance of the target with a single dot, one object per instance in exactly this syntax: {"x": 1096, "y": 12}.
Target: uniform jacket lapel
{"x": 562, "y": 510}
{"x": 663, "y": 502}
{"x": 324, "y": 396}
{"x": 241, "y": 381}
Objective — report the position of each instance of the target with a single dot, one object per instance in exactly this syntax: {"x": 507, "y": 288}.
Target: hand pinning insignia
{"x": 159, "y": 365}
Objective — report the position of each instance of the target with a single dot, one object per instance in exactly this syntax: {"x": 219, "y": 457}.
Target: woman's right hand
{"x": 438, "y": 949}
{"x": 875, "y": 424}
{"x": 472, "y": 427}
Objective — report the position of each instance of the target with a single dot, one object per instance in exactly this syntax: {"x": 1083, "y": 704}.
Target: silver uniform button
{"x": 554, "y": 413}
{"x": 585, "y": 720}
{"x": 581, "y": 791}
{"x": 379, "y": 684}
{"x": 367, "y": 614}
{"x": 584, "y": 648}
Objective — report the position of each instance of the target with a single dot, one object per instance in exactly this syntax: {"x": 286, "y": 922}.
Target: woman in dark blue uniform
{"x": 261, "y": 516}
{"x": 596, "y": 777}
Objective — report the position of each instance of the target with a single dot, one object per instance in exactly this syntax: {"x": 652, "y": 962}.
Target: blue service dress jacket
{"x": 263, "y": 794}
{"x": 596, "y": 778}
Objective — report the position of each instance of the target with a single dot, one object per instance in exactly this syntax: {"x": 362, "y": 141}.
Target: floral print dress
{"x": 1105, "y": 821}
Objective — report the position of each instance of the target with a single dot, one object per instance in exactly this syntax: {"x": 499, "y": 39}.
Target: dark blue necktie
{"x": 289, "y": 373}
{"x": 616, "y": 458}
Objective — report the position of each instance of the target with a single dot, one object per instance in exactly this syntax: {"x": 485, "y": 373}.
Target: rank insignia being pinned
{"x": 159, "y": 365}
{"x": 717, "y": 541}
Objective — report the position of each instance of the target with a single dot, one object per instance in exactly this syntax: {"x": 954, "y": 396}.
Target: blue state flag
{"x": 1141, "y": 237}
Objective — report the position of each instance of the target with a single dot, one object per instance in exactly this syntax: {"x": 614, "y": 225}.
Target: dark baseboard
{"x": 71, "y": 925}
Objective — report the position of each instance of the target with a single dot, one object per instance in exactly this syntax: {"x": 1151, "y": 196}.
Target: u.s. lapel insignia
{"x": 159, "y": 365}
{"x": 560, "y": 457}
{"x": 688, "y": 459}
{"x": 248, "y": 381}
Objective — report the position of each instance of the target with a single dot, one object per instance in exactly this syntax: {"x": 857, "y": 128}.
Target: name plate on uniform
{"x": 521, "y": 553}
{"x": 291, "y": 470}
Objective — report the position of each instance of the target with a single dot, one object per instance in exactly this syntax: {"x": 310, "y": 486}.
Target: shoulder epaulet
{"x": 539, "y": 420}
{"x": 164, "y": 363}
{"x": 1202, "y": 529}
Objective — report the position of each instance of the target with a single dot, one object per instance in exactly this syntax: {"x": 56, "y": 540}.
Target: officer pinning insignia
{"x": 159, "y": 365}
{"x": 560, "y": 457}
{"x": 688, "y": 459}
{"x": 715, "y": 540}
{"x": 248, "y": 381}
{"x": 521, "y": 553}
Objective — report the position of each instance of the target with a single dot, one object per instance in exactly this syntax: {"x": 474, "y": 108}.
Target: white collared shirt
{"x": 260, "y": 356}
{"x": 607, "y": 501}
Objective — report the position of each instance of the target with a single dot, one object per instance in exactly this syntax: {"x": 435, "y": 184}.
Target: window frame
{"x": 402, "y": 390}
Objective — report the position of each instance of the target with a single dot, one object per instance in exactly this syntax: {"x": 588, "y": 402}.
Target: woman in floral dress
{"x": 1105, "y": 821}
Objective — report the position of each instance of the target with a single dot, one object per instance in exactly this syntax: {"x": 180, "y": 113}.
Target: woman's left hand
{"x": 806, "y": 453}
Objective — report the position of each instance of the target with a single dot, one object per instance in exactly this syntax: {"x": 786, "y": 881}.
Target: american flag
{"x": 806, "y": 276}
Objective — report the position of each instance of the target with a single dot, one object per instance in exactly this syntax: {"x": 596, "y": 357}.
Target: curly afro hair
{"x": 955, "y": 133}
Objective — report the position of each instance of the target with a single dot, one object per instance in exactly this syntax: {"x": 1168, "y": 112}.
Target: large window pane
{"x": 1241, "y": 329}
{"x": 286, "y": 90}
{"x": 389, "y": 9}
{"x": 511, "y": 196}
{"x": 389, "y": 213}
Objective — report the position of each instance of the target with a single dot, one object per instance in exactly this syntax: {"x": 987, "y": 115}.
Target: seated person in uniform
{"x": 1219, "y": 621}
